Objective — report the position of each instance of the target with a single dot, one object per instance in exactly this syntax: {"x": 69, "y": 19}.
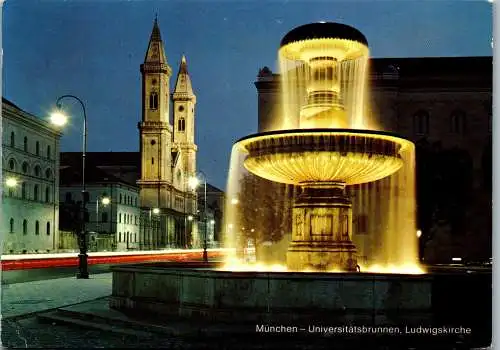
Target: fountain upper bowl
{"x": 323, "y": 30}
{"x": 303, "y": 156}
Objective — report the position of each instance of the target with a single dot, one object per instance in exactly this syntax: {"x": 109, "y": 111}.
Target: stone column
{"x": 322, "y": 229}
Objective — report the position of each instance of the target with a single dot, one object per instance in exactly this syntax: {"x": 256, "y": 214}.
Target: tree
{"x": 264, "y": 210}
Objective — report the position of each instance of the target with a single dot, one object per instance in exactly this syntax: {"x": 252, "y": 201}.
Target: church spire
{"x": 156, "y": 51}
{"x": 183, "y": 88}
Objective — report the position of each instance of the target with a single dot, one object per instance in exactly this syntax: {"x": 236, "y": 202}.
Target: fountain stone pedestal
{"x": 322, "y": 229}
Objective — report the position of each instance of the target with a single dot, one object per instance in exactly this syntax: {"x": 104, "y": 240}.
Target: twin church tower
{"x": 167, "y": 147}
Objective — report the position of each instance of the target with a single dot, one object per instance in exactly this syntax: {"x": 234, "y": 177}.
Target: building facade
{"x": 30, "y": 188}
{"x": 167, "y": 148}
{"x": 113, "y": 208}
{"x": 442, "y": 102}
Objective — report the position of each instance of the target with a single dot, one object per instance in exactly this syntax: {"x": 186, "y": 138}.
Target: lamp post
{"x": 194, "y": 182}
{"x": 59, "y": 118}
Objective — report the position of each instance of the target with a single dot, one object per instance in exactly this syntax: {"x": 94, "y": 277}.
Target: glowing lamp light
{"x": 234, "y": 201}
{"x": 193, "y": 182}
{"x": 58, "y": 118}
{"x": 419, "y": 233}
{"x": 190, "y": 217}
{"x": 105, "y": 201}
{"x": 212, "y": 222}
{"x": 456, "y": 259}
{"x": 156, "y": 211}
{"x": 11, "y": 182}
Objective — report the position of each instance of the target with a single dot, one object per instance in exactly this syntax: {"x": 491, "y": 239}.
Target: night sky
{"x": 94, "y": 49}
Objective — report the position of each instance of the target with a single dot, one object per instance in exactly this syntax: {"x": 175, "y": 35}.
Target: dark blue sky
{"x": 94, "y": 49}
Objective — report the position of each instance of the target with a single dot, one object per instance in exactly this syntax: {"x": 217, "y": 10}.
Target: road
{"x": 28, "y": 275}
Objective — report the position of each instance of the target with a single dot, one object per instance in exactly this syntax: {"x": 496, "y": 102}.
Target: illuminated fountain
{"x": 325, "y": 150}
{"x": 322, "y": 149}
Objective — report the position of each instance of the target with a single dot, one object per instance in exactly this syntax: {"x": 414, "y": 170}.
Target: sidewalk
{"x": 25, "y": 298}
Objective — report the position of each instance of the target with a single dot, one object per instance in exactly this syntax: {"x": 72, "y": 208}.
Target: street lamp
{"x": 11, "y": 182}
{"x": 194, "y": 183}
{"x": 58, "y": 118}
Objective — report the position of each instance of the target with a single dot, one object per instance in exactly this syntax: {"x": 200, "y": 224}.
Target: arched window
{"x": 11, "y": 225}
{"x": 12, "y": 164}
{"x": 25, "y": 167}
{"x": 12, "y": 139}
{"x": 37, "y": 148}
{"x": 47, "y": 194}
{"x": 23, "y": 191}
{"x": 38, "y": 170}
{"x": 121, "y": 198}
{"x": 421, "y": 123}
{"x": 48, "y": 152}
{"x": 120, "y": 218}
{"x": 25, "y": 147}
{"x": 48, "y": 228}
{"x": 153, "y": 100}
{"x": 37, "y": 228}
{"x": 35, "y": 192}
{"x": 48, "y": 173}
{"x": 181, "y": 124}
{"x": 25, "y": 227}
{"x": 119, "y": 236}
{"x": 457, "y": 122}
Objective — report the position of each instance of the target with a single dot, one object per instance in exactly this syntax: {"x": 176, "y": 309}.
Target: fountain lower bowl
{"x": 323, "y": 155}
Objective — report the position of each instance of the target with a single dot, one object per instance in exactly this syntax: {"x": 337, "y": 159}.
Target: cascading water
{"x": 333, "y": 171}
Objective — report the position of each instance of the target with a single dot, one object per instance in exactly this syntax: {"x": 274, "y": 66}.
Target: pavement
{"x": 22, "y": 299}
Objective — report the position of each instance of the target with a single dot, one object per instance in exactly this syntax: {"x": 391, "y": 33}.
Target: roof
{"x": 72, "y": 175}
{"x": 4, "y": 100}
{"x": 434, "y": 66}
{"x": 102, "y": 158}
{"x": 323, "y": 30}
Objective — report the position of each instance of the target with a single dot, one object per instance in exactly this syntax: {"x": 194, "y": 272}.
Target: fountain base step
{"x": 332, "y": 256}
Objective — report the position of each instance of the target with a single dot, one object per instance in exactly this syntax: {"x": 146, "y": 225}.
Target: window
{"x": 12, "y": 164}
{"x": 38, "y": 170}
{"x": 12, "y": 139}
{"x": 48, "y": 173}
{"x": 37, "y": 228}
{"x": 120, "y": 198}
{"x": 48, "y": 228}
{"x": 119, "y": 236}
{"x": 421, "y": 123}
{"x": 153, "y": 100}
{"x": 11, "y": 192}
{"x": 48, "y": 152}
{"x": 23, "y": 190}
{"x": 120, "y": 218}
{"x": 35, "y": 192}
{"x": 47, "y": 194}
{"x": 104, "y": 217}
{"x": 25, "y": 227}
{"x": 457, "y": 122}
{"x": 181, "y": 124}
{"x": 136, "y": 201}
{"x": 25, "y": 167}
{"x": 152, "y": 160}
{"x": 135, "y": 219}
{"x": 68, "y": 198}
{"x": 11, "y": 225}
{"x": 37, "y": 148}
{"x": 25, "y": 144}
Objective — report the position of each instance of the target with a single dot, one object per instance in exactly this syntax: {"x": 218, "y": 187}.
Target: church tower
{"x": 155, "y": 128}
{"x": 184, "y": 101}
